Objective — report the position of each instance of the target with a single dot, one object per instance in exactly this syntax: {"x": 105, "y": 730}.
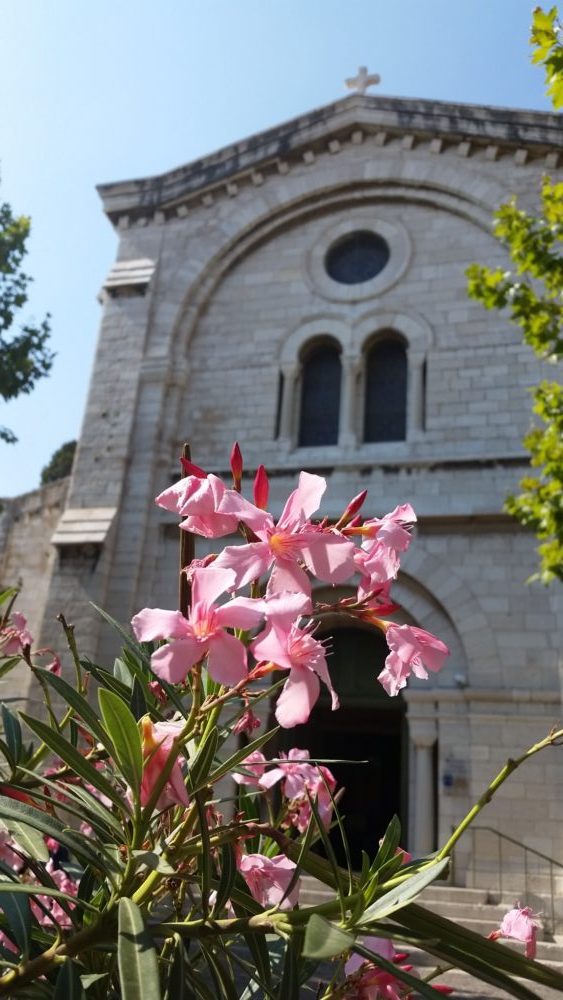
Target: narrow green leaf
{"x": 30, "y": 841}
{"x": 227, "y": 880}
{"x": 11, "y": 809}
{"x": 461, "y": 946}
{"x": 258, "y": 948}
{"x": 69, "y": 985}
{"x": 203, "y": 761}
{"x": 388, "y": 845}
{"x": 154, "y": 861}
{"x": 105, "y": 679}
{"x": 221, "y": 972}
{"x": 404, "y": 893}
{"x": 289, "y": 985}
{"x": 125, "y": 736}
{"x": 122, "y": 673}
{"x": 91, "y": 978}
{"x": 73, "y": 758}
{"x": 12, "y": 732}
{"x": 27, "y": 889}
{"x": 138, "y": 703}
{"x": 324, "y": 939}
{"x": 18, "y": 914}
{"x": 136, "y": 955}
{"x": 230, "y": 764}
{"x": 80, "y": 705}
{"x": 6, "y": 753}
{"x": 177, "y": 987}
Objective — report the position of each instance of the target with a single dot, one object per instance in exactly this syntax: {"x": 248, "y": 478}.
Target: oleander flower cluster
{"x": 253, "y": 608}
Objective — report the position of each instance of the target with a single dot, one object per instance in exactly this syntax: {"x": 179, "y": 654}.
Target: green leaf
{"x": 138, "y": 701}
{"x": 289, "y": 985}
{"x": 388, "y": 845}
{"x": 69, "y": 984}
{"x": 63, "y": 749}
{"x": 80, "y": 705}
{"x": 18, "y": 914}
{"x": 29, "y": 889}
{"x": 404, "y": 893}
{"x": 125, "y": 736}
{"x": 221, "y": 972}
{"x": 155, "y": 862}
{"x": 324, "y": 939}
{"x": 11, "y": 809}
{"x": 258, "y": 949}
{"x": 122, "y": 673}
{"x": 125, "y": 634}
{"x": 136, "y": 955}
{"x": 30, "y": 841}
{"x": 489, "y": 960}
{"x": 12, "y": 733}
{"x": 176, "y": 986}
{"x": 227, "y": 880}
{"x": 92, "y": 977}
{"x": 203, "y": 761}
{"x": 230, "y": 764}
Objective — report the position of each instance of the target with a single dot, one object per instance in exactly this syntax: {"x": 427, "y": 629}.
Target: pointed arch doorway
{"x": 369, "y": 726}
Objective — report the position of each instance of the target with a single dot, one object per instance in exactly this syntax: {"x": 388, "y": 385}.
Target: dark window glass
{"x": 386, "y": 392}
{"x": 320, "y": 397}
{"x": 356, "y": 258}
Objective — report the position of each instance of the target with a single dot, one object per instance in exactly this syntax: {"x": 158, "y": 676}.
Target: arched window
{"x": 385, "y": 414}
{"x": 320, "y": 396}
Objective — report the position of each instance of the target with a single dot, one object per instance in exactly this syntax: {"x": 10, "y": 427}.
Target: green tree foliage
{"x": 24, "y": 356}
{"x": 59, "y": 464}
{"x": 532, "y": 292}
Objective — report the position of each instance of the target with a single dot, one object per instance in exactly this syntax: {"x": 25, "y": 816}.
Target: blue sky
{"x": 110, "y": 90}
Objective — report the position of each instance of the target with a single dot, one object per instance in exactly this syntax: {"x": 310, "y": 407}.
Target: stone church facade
{"x": 330, "y": 251}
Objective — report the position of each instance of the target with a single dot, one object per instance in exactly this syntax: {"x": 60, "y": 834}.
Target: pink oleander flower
{"x": 520, "y": 924}
{"x": 157, "y": 738}
{"x": 377, "y": 565}
{"x": 411, "y": 650}
{"x": 256, "y": 764}
{"x": 268, "y": 879}
{"x": 293, "y": 540}
{"x": 196, "y": 498}
{"x": 301, "y": 781}
{"x": 292, "y": 648}
{"x": 393, "y": 529}
{"x": 15, "y": 635}
{"x": 202, "y": 633}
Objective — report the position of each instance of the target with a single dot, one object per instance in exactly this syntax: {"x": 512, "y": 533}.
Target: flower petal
{"x": 304, "y": 501}
{"x": 249, "y": 562}
{"x": 209, "y": 583}
{"x": 154, "y": 623}
{"x": 299, "y": 694}
{"x": 173, "y": 661}
{"x": 227, "y": 659}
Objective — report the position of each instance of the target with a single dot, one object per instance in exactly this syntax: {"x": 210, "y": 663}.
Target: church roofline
{"x": 442, "y": 120}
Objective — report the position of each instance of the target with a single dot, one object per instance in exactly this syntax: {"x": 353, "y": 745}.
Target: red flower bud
{"x": 352, "y": 509}
{"x": 236, "y": 465}
{"x": 261, "y": 488}
{"x": 189, "y": 469}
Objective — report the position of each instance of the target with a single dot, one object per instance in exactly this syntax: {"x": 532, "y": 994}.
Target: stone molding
{"x": 444, "y": 126}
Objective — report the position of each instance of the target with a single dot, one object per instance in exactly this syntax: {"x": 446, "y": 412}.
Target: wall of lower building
{"x": 27, "y": 557}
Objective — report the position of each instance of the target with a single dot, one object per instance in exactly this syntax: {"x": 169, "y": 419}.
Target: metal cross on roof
{"x": 363, "y": 80}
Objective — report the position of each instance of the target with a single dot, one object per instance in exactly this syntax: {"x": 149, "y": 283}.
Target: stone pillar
{"x": 415, "y": 395}
{"x": 423, "y": 735}
{"x": 347, "y": 434}
{"x": 288, "y": 405}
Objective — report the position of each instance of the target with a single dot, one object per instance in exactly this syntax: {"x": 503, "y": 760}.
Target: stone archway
{"x": 370, "y": 727}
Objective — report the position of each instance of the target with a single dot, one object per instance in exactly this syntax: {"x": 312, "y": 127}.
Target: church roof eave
{"x": 444, "y": 120}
